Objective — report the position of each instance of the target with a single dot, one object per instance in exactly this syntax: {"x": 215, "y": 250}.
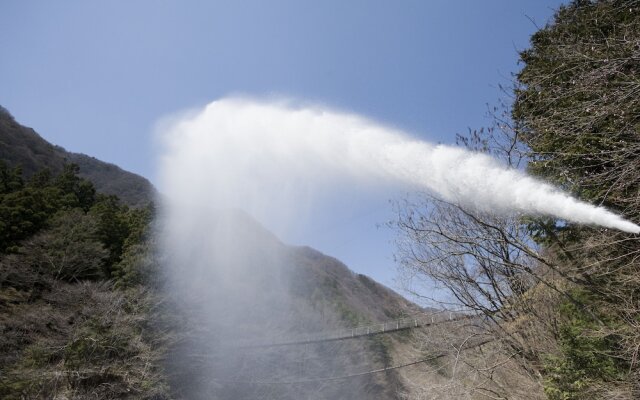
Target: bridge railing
{"x": 404, "y": 323}
{"x": 364, "y": 330}
{"x": 399, "y": 324}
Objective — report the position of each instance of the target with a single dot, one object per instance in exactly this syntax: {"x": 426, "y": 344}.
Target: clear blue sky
{"x": 94, "y": 76}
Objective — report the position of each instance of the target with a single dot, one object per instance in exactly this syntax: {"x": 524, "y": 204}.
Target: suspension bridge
{"x": 418, "y": 321}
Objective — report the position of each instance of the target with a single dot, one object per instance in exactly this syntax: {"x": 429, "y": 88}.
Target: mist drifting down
{"x": 271, "y": 158}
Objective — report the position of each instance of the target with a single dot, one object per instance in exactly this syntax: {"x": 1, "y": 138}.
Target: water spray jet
{"x": 269, "y": 157}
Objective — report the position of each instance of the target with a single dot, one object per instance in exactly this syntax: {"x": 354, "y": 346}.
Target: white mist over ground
{"x": 274, "y": 159}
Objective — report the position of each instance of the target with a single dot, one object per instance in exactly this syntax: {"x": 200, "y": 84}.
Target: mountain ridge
{"x": 23, "y": 146}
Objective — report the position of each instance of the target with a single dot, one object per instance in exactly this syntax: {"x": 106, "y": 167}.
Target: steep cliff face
{"x": 20, "y": 145}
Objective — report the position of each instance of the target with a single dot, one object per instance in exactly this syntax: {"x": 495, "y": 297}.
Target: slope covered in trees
{"x": 73, "y": 315}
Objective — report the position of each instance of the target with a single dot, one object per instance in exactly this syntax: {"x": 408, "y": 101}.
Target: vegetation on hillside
{"x": 75, "y": 320}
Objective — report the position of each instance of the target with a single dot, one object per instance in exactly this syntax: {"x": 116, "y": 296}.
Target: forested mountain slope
{"x": 74, "y": 317}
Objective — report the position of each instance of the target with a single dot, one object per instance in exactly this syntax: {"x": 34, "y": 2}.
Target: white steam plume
{"x": 282, "y": 153}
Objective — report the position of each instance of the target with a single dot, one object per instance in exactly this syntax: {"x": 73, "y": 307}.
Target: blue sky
{"x": 94, "y": 77}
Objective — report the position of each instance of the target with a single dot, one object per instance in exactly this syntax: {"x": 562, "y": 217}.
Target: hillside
{"x": 20, "y": 145}
{"x": 86, "y": 309}
{"x": 73, "y": 312}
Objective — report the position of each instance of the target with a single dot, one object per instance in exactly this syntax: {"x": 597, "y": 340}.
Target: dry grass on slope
{"x": 74, "y": 340}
